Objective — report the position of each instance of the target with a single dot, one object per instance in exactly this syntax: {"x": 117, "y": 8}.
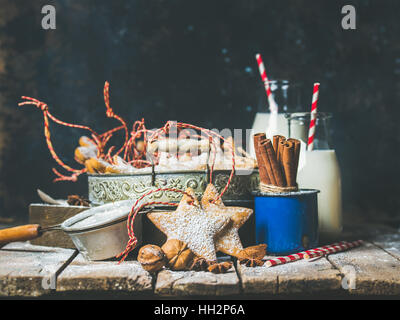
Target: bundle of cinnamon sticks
{"x": 277, "y": 161}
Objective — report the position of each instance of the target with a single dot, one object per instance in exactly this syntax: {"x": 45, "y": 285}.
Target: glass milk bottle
{"x": 320, "y": 170}
{"x": 288, "y": 98}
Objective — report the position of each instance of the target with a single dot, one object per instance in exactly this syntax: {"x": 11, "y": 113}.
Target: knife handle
{"x": 21, "y": 233}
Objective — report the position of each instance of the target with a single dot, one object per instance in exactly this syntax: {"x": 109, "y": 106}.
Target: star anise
{"x": 200, "y": 264}
{"x": 249, "y": 262}
{"x": 252, "y": 256}
{"x": 222, "y": 267}
{"x": 75, "y": 200}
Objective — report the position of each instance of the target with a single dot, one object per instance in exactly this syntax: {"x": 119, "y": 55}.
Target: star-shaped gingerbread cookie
{"x": 192, "y": 225}
{"x": 228, "y": 241}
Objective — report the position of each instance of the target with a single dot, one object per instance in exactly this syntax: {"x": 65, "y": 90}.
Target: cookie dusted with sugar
{"x": 228, "y": 241}
{"x": 192, "y": 225}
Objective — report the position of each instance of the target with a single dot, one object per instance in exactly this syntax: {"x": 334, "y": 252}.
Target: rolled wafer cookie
{"x": 94, "y": 165}
{"x": 86, "y": 142}
{"x": 84, "y": 153}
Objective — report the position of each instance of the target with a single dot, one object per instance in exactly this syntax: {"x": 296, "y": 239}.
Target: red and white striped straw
{"x": 285, "y": 259}
{"x": 314, "y": 105}
{"x": 343, "y": 246}
{"x": 312, "y": 253}
{"x": 273, "y": 107}
{"x": 327, "y": 247}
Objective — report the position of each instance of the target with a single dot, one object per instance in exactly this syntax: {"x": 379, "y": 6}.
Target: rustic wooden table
{"x": 370, "y": 270}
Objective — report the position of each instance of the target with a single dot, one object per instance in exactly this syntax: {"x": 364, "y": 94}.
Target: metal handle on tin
{"x": 208, "y": 173}
{"x": 153, "y": 175}
{"x": 208, "y": 165}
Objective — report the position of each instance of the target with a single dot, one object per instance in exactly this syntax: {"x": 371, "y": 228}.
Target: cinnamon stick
{"x": 269, "y": 156}
{"x": 281, "y": 142}
{"x": 281, "y": 145}
{"x": 288, "y": 163}
{"x": 267, "y": 163}
{"x": 276, "y": 140}
{"x": 296, "y": 154}
{"x": 264, "y": 178}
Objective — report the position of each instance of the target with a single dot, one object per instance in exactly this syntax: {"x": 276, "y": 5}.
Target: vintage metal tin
{"x": 287, "y": 222}
{"x": 114, "y": 187}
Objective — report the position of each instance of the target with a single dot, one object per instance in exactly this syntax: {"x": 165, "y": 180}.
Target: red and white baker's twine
{"x": 316, "y": 252}
{"x": 209, "y": 134}
{"x": 313, "y": 118}
{"x": 110, "y": 113}
{"x": 272, "y": 104}
{"x": 46, "y": 115}
{"x": 132, "y": 242}
{"x": 131, "y": 153}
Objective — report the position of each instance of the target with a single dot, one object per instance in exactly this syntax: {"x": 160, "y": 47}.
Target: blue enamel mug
{"x": 287, "y": 222}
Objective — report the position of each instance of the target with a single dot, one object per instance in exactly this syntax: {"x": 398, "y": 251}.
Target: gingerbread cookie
{"x": 192, "y": 225}
{"x": 228, "y": 241}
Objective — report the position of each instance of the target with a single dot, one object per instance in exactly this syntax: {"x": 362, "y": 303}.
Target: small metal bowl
{"x": 101, "y": 233}
{"x": 104, "y": 188}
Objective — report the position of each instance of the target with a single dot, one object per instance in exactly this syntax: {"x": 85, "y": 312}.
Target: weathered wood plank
{"x": 195, "y": 283}
{"x": 28, "y": 270}
{"x": 82, "y": 275}
{"x": 390, "y": 243}
{"x": 308, "y": 277}
{"x": 291, "y": 278}
{"x": 192, "y": 283}
{"x": 258, "y": 280}
{"x": 47, "y": 215}
{"x": 368, "y": 270}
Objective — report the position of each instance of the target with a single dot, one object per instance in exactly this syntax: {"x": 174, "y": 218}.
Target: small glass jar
{"x": 285, "y": 93}
{"x": 299, "y": 124}
{"x": 319, "y": 169}
{"x": 287, "y": 96}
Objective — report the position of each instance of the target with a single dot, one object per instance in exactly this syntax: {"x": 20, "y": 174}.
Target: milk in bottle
{"x": 320, "y": 170}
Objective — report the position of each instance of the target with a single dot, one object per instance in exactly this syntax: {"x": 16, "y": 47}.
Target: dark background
{"x": 193, "y": 61}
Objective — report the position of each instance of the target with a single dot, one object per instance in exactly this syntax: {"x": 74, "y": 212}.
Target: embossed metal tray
{"x": 104, "y": 188}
